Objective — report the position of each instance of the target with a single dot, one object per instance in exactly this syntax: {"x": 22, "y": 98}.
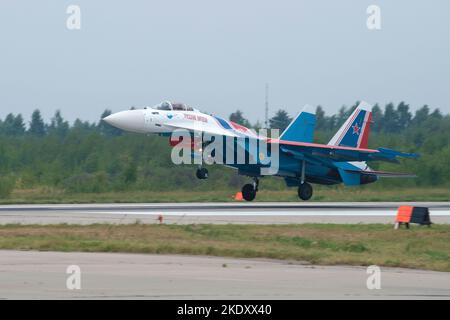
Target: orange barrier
{"x": 404, "y": 214}
{"x": 411, "y": 214}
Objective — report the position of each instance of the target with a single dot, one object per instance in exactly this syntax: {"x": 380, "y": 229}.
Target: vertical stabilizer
{"x": 301, "y": 129}
{"x": 355, "y": 131}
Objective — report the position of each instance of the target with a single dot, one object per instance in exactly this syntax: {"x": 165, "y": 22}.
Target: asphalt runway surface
{"x": 43, "y": 275}
{"x": 219, "y": 213}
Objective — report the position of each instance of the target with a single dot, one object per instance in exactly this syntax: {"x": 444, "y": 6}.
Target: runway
{"x": 218, "y": 213}
{"x": 42, "y": 275}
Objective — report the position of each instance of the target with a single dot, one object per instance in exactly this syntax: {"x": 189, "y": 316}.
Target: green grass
{"x": 323, "y": 244}
{"x": 321, "y": 193}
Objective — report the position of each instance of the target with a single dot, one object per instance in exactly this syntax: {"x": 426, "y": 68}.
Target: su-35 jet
{"x": 293, "y": 156}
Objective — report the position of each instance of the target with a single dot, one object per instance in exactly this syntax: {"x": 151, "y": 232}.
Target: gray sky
{"x": 218, "y": 55}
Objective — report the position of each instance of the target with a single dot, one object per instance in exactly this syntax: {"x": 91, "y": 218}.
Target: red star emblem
{"x": 356, "y": 129}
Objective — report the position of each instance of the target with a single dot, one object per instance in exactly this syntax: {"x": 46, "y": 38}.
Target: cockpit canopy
{"x": 167, "y": 105}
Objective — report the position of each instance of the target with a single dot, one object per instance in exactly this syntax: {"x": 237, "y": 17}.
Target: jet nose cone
{"x": 130, "y": 120}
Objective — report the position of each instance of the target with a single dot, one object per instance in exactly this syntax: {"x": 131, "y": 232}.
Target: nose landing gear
{"x": 202, "y": 173}
{"x": 249, "y": 190}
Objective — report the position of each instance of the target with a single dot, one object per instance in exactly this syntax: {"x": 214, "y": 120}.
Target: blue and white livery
{"x": 301, "y": 161}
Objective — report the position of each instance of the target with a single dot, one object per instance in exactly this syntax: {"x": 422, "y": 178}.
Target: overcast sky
{"x": 218, "y": 55}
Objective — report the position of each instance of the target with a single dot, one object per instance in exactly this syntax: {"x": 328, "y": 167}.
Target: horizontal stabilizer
{"x": 390, "y": 155}
{"x": 395, "y": 153}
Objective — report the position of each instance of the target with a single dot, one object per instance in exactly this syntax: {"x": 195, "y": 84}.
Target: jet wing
{"x": 199, "y": 128}
{"x": 338, "y": 153}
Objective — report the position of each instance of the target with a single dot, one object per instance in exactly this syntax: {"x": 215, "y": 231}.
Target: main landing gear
{"x": 202, "y": 173}
{"x": 305, "y": 190}
{"x": 249, "y": 190}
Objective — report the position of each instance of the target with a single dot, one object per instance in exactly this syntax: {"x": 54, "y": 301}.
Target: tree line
{"x": 96, "y": 157}
{"x": 14, "y": 125}
{"x": 393, "y": 119}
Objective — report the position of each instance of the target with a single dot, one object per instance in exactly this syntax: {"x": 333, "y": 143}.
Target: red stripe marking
{"x": 365, "y": 138}
{"x": 239, "y": 127}
{"x": 318, "y": 145}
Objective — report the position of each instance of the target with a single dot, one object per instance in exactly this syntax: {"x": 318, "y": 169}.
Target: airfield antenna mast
{"x": 266, "y": 122}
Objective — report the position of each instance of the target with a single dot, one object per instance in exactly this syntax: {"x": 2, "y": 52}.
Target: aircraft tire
{"x": 305, "y": 191}
{"x": 202, "y": 173}
{"x": 248, "y": 192}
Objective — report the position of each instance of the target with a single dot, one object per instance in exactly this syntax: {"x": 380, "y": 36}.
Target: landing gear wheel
{"x": 305, "y": 191}
{"x": 202, "y": 173}
{"x": 248, "y": 192}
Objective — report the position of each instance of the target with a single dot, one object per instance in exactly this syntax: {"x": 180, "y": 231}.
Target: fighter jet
{"x": 300, "y": 161}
